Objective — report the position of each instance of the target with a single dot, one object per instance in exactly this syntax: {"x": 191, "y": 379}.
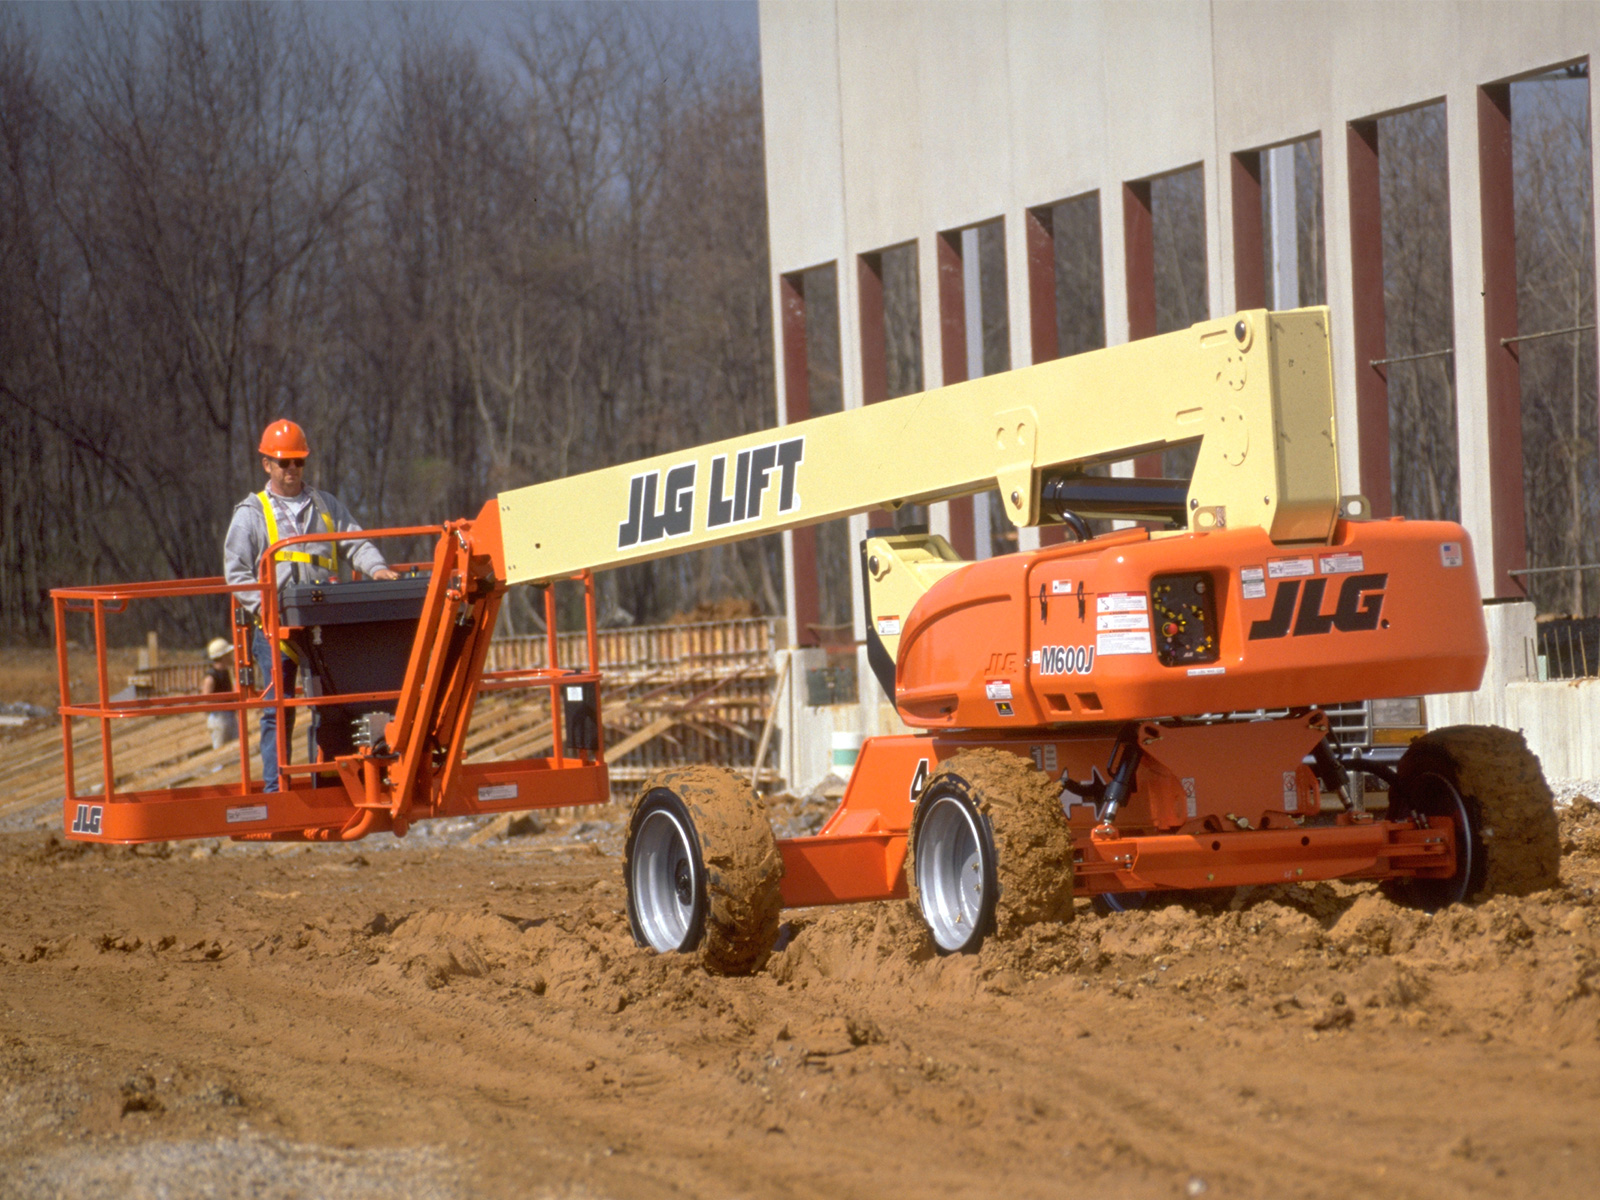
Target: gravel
{"x": 1567, "y": 790}
{"x": 248, "y": 1168}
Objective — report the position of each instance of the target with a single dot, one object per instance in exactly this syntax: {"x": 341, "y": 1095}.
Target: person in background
{"x": 285, "y": 508}
{"x": 218, "y": 681}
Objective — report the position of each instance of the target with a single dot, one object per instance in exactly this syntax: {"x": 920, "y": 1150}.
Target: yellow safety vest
{"x": 329, "y": 563}
{"x": 326, "y": 562}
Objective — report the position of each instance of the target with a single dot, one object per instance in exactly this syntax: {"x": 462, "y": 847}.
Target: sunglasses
{"x": 286, "y": 463}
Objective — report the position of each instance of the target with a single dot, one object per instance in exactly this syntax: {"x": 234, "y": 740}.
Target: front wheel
{"x": 1490, "y": 787}
{"x": 702, "y": 870}
{"x": 989, "y": 850}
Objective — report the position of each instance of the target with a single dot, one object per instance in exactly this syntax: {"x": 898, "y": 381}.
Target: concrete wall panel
{"x": 1057, "y": 102}
{"x": 882, "y": 109}
{"x": 1158, "y": 94}
{"x": 801, "y": 124}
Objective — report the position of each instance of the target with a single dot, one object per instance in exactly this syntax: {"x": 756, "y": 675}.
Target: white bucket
{"x": 846, "y": 749}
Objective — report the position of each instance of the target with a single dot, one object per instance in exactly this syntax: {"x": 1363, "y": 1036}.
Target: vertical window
{"x": 975, "y": 334}
{"x": 1066, "y": 289}
{"x": 891, "y": 343}
{"x": 1278, "y": 256}
{"x": 1066, "y": 285}
{"x": 1295, "y": 273}
{"x": 1178, "y": 235}
{"x": 1554, "y": 345}
{"x": 1414, "y": 198}
{"x": 988, "y": 330}
{"x": 812, "y": 388}
{"x": 1164, "y": 234}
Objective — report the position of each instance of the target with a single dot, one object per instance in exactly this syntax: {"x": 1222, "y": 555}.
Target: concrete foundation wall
{"x": 805, "y": 732}
{"x": 1560, "y": 719}
{"x": 1511, "y": 629}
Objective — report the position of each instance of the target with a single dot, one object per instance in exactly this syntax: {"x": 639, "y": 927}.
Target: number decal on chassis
{"x": 1065, "y": 660}
{"x": 919, "y": 780}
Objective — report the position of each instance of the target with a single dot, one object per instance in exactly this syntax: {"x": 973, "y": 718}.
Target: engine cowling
{"x": 1129, "y": 627}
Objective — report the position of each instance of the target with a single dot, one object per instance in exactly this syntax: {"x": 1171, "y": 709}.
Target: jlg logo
{"x": 676, "y": 518}
{"x": 87, "y": 819}
{"x": 1360, "y": 603}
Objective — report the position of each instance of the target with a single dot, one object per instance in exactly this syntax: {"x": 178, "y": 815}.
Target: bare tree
{"x": 462, "y": 270}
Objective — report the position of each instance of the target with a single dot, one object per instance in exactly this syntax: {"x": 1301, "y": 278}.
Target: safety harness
{"x": 328, "y": 562}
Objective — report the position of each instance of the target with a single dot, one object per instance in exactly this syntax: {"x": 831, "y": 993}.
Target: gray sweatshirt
{"x": 247, "y": 541}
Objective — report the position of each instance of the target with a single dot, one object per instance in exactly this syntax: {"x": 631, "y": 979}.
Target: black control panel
{"x": 1184, "y": 613}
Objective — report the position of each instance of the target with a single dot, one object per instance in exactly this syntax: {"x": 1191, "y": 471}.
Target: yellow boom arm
{"x": 1255, "y": 390}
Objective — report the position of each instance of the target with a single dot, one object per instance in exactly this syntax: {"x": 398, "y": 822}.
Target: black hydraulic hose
{"x": 1125, "y": 756}
{"x": 1079, "y": 527}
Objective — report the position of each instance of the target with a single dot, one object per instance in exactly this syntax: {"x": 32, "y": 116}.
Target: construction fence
{"x": 672, "y": 695}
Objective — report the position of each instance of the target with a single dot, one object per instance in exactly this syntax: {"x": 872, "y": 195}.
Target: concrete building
{"x": 915, "y": 124}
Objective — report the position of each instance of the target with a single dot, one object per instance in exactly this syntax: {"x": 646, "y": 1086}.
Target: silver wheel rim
{"x": 950, "y": 872}
{"x": 665, "y": 881}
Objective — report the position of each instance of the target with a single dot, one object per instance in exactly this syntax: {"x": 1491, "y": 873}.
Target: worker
{"x": 218, "y": 681}
{"x": 285, "y": 508}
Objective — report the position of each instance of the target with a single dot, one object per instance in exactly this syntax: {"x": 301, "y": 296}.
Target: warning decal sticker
{"x": 1123, "y": 643}
{"x": 1342, "y": 564}
{"x": 1122, "y": 602}
{"x": 1112, "y": 621}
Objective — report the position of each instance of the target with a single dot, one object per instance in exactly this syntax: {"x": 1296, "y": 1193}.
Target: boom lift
{"x": 1109, "y": 717}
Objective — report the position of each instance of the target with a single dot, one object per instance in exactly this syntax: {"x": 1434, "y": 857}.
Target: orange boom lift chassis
{"x": 1110, "y": 717}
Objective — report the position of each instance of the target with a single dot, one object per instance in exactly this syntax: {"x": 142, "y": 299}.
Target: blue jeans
{"x": 261, "y": 653}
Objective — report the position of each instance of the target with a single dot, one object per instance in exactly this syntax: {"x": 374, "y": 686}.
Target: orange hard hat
{"x": 284, "y": 439}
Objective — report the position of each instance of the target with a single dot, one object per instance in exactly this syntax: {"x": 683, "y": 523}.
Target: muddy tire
{"x": 702, "y": 870}
{"x": 1491, "y": 786}
{"x": 989, "y": 851}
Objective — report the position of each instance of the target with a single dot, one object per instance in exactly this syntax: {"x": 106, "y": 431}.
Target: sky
{"x": 483, "y": 20}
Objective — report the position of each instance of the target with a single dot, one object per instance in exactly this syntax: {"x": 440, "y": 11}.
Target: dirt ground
{"x": 428, "y": 1018}
{"x": 432, "y": 1018}
{"x": 29, "y": 675}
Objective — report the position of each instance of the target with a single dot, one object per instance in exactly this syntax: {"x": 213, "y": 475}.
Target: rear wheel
{"x": 702, "y": 870}
{"x": 1489, "y": 785}
{"x": 989, "y": 851}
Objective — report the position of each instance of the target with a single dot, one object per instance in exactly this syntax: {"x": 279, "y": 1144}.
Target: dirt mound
{"x": 882, "y": 944}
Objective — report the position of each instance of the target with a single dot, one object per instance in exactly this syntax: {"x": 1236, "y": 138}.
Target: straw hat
{"x": 218, "y": 648}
